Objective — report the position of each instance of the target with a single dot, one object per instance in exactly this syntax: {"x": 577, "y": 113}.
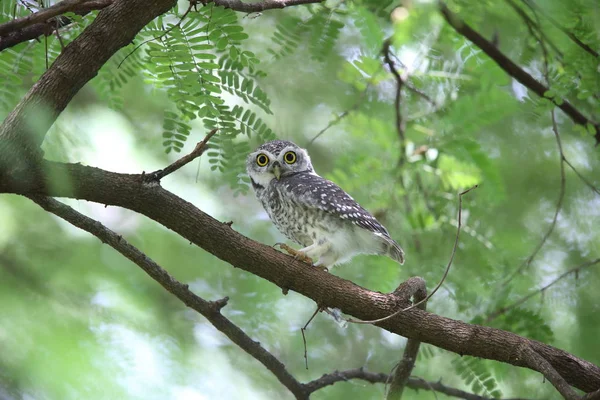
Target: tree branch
{"x": 41, "y": 16}
{"x": 197, "y": 152}
{"x": 45, "y": 21}
{"x": 550, "y": 373}
{"x": 592, "y": 396}
{"x": 131, "y": 192}
{"x": 238, "y": 5}
{"x": 418, "y": 290}
{"x": 114, "y": 28}
{"x": 574, "y": 38}
{"x": 400, "y": 126}
{"x": 371, "y": 377}
{"x": 209, "y": 309}
{"x": 513, "y": 69}
{"x": 532, "y": 26}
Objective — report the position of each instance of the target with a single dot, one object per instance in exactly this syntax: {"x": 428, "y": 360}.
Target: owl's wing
{"x": 313, "y": 191}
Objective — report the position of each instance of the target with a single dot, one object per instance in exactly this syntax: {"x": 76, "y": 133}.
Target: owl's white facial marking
{"x": 260, "y": 168}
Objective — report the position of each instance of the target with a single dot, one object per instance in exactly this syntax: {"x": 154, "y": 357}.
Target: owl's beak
{"x": 277, "y": 171}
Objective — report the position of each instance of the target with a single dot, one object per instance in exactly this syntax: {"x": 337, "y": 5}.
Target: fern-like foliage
{"x": 319, "y": 32}
{"x": 475, "y": 374}
{"x": 197, "y": 62}
{"x": 116, "y": 73}
{"x": 27, "y": 61}
{"x": 526, "y": 323}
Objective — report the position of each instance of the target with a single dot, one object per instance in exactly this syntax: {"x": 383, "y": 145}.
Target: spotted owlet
{"x": 312, "y": 211}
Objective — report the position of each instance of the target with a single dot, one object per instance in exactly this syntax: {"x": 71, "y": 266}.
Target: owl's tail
{"x": 390, "y": 248}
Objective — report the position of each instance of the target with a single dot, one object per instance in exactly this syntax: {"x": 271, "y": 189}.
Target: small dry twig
{"x": 559, "y": 202}
{"x": 454, "y": 247}
{"x": 197, "y": 152}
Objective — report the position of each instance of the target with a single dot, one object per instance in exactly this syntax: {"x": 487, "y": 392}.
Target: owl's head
{"x": 275, "y": 160}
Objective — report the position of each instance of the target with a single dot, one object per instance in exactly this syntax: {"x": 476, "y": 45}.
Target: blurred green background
{"x": 77, "y": 320}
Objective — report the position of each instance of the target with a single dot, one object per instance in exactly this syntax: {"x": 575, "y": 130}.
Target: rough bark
{"x": 24, "y": 129}
{"x": 150, "y": 199}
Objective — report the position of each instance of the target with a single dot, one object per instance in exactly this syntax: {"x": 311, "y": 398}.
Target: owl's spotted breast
{"x": 296, "y": 217}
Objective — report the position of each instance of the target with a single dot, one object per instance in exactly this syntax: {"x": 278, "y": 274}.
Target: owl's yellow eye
{"x": 290, "y": 157}
{"x": 262, "y": 160}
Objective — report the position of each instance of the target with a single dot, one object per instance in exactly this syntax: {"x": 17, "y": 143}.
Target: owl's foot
{"x": 298, "y": 255}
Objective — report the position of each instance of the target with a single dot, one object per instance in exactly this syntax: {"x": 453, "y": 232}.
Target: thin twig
{"x": 430, "y": 387}
{"x": 454, "y": 247}
{"x": 583, "y": 178}
{"x": 197, "y": 152}
{"x": 210, "y": 310}
{"x": 400, "y": 128}
{"x": 414, "y": 383}
{"x": 303, "y": 330}
{"x": 422, "y": 94}
{"x": 532, "y": 26}
{"x": 571, "y": 36}
{"x": 340, "y": 117}
{"x": 522, "y": 300}
{"x": 192, "y": 4}
{"x": 398, "y": 97}
{"x": 559, "y": 202}
{"x": 513, "y": 69}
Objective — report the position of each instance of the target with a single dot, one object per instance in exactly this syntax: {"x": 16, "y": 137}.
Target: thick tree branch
{"x": 592, "y": 396}
{"x": 40, "y": 23}
{"x": 260, "y": 6}
{"x": 23, "y": 131}
{"x": 513, "y": 69}
{"x": 209, "y": 309}
{"x": 131, "y": 192}
{"x": 46, "y": 14}
{"x": 418, "y": 290}
{"x": 550, "y": 373}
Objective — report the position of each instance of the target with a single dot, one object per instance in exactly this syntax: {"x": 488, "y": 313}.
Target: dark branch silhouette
{"x": 23, "y": 171}
{"x": 211, "y": 310}
{"x": 131, "y": 192}
{"x": 513, "y": 69}
{"x": 413, "y": 383}
{"x": 571, "y": 36}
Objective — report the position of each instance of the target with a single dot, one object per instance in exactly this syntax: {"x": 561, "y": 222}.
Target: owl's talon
{"x": 293, "y": 252}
